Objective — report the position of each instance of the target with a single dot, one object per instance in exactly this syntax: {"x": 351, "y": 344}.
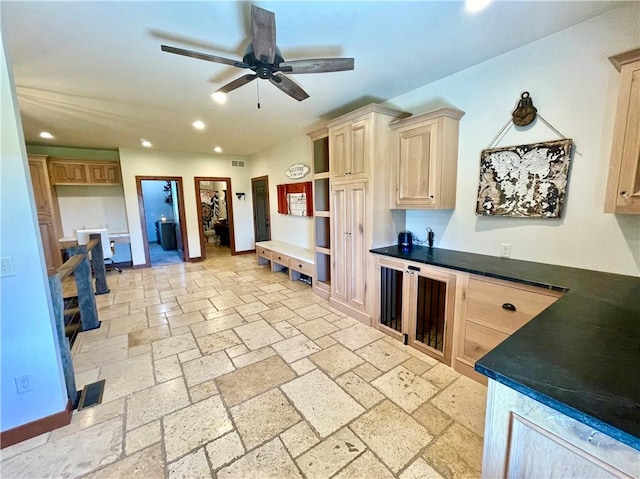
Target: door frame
{"x": 181, "y": 215}
{"x": 253, "y": 205}
{"x": 232, "y": 238}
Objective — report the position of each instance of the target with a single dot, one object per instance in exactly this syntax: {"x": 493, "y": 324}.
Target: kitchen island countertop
{"x": 580, "y": 356}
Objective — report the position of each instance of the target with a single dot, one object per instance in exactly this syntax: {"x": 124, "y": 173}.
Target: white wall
{"x": 574, "y": 87}
{"x": 135, "y": 162}
{"x": 28, "y": 344}
{"x": 91, "y": 207}
{"x": 296, "y": 230}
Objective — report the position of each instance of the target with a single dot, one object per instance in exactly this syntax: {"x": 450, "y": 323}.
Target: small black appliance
{"x": 405, "y": 240}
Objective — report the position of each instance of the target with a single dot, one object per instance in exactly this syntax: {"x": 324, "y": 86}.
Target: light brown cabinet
{"x": 359, "y": 152}
{"x": 349, "y": 259}
{"x": 417, "y": 305}
{"x": 426, "y": 159}
{"x": 77, "y": 172}
{"x": 490, "y": 311}
{"x": 623, "y": 185}
{"x": 47, "y": 210}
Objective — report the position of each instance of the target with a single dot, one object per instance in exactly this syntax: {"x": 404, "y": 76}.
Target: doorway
{"x": 215, "y": 216}
{"x": 161, "y": 205}
{"x": 260, "y": 194}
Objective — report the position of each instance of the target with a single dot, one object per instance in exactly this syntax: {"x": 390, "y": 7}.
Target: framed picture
{"x": 526, "y": 181}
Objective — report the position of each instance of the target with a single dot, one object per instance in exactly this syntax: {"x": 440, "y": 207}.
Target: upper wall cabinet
{"x": 78, "y": 172}
{"x": 623, "y": 185}
{"x": 425, "y": 160}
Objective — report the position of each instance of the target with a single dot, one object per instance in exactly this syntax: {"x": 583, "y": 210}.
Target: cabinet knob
{"x": 624, "y": 194}
{"x": 509, "y": 307}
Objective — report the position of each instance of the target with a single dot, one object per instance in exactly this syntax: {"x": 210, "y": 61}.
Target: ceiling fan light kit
{"x": 264, "y": 58}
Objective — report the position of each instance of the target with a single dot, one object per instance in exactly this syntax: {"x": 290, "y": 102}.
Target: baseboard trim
{"x": 246, "y": 251}
{"x": 35, "y": 428}
{"x": 195, "y": 259}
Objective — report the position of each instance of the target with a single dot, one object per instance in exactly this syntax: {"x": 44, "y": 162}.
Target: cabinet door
{"x": 50, "y": 246}
{"x": 104, "y": 173}
{"x": 356, "y": 245}
{"x": 38, "y": 171}
{"x": 65, "y": 172}
{"x": 339, "y": 264}
{"x": 430, "y": 312}
{"x": 358, "y": 150}
{"x": 392, "y": 285}
{"x": 339, "y": 148}
{"x": 416, "y": 166}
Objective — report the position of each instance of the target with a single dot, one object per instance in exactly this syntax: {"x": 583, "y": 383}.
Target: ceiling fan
{"x": 263, "y": 57}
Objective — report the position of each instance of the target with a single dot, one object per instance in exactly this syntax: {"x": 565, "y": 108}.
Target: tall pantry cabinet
{"x": 360, "y": 163}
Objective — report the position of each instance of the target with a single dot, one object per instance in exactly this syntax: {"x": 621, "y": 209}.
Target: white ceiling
{"x": 92, "y": 73}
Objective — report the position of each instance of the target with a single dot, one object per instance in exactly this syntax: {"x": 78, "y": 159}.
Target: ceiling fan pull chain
{"x": 258, "y": 89}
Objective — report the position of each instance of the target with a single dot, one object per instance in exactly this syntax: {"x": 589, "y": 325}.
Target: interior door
{"x": 260, "y": 193}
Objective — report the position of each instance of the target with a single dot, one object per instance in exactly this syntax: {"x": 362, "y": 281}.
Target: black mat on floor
{"x": 91, "y": 395}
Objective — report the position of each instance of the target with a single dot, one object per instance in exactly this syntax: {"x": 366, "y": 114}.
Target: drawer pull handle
{"x": 299, "y": 266}
{"x": 509, "y": 307}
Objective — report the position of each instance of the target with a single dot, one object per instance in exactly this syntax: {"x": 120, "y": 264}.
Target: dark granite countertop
{"x": 580, "y": 356}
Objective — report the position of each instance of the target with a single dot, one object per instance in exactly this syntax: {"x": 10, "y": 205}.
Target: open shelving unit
{"x": 321, "y": 211}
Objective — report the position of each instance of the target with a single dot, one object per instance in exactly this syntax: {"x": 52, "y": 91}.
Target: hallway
{"x": 225, "y": 369}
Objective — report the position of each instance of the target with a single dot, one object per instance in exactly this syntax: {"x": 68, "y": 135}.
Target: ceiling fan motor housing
{"x": 263, "y": 69}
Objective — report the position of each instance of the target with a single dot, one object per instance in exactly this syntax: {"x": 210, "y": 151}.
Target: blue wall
{"x": 28, "y": 344}
{"x": 154, "y": 205}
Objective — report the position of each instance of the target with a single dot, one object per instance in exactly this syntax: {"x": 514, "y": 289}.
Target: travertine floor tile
{"x": 212, "y": 343}
{"x": 432, "y": 418}
{"x": 206, "y": 368}
{"x": 457, "y": 453}
{"x": 152, "y": 403}
{"x": 167, "y": 368}
{"x": 261, "y": 418}
{"x": 251, "y": 357}
{"x": 364, "y": 393}
{"x": 255, "y": 379}
{"x": 278, "y": 314}
{"x": 146, "y": 463}
{"x": 224, "y": 450}
{"x": 136, "y": 338}
{"x": 368, "y": 372}
{"x": 332, "y": 454}
{"x": 441, "y": 375}
{"x": 324, "y": 405}
{"x": 356, "y": 336}
{"x": 335, "y": 360}
{"x": 191, "y": 466}
{"x": 268, "y": 461}
{"x": 419, "y": 469}
{"x": 382, "y": 355}
{"x": 194, "y": 426}
{"x": 173, "y": 345}
{"x": 365, "y": 466}
{"x": 295, "y": 348}
{"x": 127, "y": 324}
{"x": 466, "y": 401}
{"x": 139, "y": 375}
{"x": 258, "y": 334}
{"x": 142, "y": 437}
{"x": 299, "y": 438}
{"x": 391, "y": 434}
{"x": 405, "y": 388}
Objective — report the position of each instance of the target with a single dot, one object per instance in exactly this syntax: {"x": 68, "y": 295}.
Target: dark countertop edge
{"x": 569, "y": 411}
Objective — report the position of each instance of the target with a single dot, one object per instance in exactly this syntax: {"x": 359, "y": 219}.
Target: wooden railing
{"x": 78, "y": 264}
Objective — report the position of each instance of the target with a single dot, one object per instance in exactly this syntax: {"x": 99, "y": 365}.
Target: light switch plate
{"x": 6, "y": 267}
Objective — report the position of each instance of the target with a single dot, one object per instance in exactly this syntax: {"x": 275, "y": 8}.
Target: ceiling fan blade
{"x": 288, "y": 86}
{"x": 317, "y": 65}
{"x": 263, "y": 34}
{"x": 237, "y": 83}
{"x": 203, "y": 56}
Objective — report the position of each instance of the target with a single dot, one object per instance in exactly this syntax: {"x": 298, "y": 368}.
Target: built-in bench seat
{"x": 286, "y": 257}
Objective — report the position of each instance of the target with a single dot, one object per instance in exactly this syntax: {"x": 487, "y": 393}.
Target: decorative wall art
{"x": 297, "y": 171}
{"x": 527, "y": 181}
{"x": 295, "y": 199}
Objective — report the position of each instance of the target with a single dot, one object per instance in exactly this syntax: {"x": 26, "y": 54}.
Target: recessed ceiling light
{"x": 198, "y": 125}
{"x": 219, "y": 97}
{"x": 217, "y": 149}
{"x": 146, "y": 143}
{"x": 474, "y": 6}
{"x": 46, "y": 134}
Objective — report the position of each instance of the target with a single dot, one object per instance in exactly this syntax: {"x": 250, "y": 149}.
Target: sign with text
{"x": 297, "y": 171}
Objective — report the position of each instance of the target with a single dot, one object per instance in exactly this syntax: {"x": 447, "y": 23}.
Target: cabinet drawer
{"x": 265, "y": 253}
{"x": 281, "y": 259}
{"x": 479, "y": 340}
{"x": 301, "y": 266}
{"x": 505, "y": 306}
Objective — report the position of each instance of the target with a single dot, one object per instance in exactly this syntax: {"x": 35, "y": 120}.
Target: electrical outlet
{"x": 505, "y": 250}
{"x": 24, "y": 383}
{"x": 6, "y": 267}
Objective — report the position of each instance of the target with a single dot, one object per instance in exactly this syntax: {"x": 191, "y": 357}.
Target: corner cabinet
{"x": 623, "y": 184}
{"x": 359, "y": 169}
{"x": 425, "y": 160}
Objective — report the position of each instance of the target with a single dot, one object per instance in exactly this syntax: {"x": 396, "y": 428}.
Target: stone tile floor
{"x": 225, "y": 369}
